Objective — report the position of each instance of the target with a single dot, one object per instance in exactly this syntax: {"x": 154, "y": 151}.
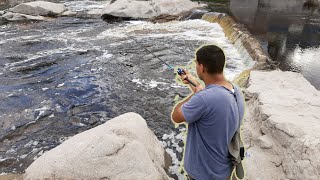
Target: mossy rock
{"x": 242, "y": 79}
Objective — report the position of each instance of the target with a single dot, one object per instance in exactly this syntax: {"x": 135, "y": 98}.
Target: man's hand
{"x": 192, "y": 79}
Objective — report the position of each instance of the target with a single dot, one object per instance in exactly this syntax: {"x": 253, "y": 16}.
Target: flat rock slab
{"x": 147, "y": 9}
{"x": 39, "y": 8}
{"x": 282, "y": 126}
{"x": 9, "y": 16}
{"x": 122, "y": 148}
{"x": 290, "y": 102}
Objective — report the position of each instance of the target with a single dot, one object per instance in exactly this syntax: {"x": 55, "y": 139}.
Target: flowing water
{"x": 68, "y": 75}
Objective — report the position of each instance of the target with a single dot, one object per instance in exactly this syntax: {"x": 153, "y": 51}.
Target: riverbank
{"x": 281, "y": 126}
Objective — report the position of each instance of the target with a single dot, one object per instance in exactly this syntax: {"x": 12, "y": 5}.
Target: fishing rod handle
{"x": 182, "y": 72}
{"x": 192, "y": 83}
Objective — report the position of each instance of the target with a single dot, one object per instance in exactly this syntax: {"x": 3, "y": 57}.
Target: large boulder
{"x": 39, "y": 8}
{"x": 122, "y": 148}
{"x": 147, "y": 9}
{"x": 281, "y": 128}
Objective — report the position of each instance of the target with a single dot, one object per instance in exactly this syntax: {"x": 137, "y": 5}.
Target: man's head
{"x": 210, "y": 60}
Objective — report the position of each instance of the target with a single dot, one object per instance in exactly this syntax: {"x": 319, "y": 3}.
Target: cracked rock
{"x": 122, "y": 148}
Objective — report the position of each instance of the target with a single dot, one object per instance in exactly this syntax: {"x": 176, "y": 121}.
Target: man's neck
{"x": 217, "y": 79}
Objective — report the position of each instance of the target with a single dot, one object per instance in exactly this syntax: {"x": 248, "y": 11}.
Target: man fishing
{"x": 213, "y": 114}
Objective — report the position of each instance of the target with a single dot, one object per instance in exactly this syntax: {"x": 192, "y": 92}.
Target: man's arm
{"x": 177, "y": 115}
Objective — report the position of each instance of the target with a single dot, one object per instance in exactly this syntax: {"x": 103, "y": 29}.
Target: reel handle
{"x": 180, "y": 71}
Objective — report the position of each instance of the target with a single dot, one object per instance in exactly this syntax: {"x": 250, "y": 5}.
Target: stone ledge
{"x": 281, "y": 128}
{"x": 242, "y": 38}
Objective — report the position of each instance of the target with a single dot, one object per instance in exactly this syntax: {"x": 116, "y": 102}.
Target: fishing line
{"x": 180, "y": 71}
{"x": 170, "y": 67}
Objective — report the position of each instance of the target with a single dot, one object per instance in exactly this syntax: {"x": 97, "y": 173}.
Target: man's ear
{"x": 202, "y": 68}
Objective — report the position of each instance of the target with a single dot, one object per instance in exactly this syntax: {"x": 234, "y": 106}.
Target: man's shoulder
{"x": 209, "y": 94}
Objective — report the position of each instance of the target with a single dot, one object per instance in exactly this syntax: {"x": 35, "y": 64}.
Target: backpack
{"x": 236, "y": 148}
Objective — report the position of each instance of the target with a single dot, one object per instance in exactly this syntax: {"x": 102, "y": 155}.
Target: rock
{"x": 69, "y": 13}
{"x": 196, "y": 14}
{"x": 146, "y": 9}
{"x": 173, "y": 7}
{"x": 128, "y": 9}
{"x": 122, "y": 148}
{"x": 3, "y": 20}
{"x": 39, "y": 8}
{"x": 163, "y": 18}
{"x": 282, "y": 126}
{"x": 265, "y": 142}
{"x": 242, "y": 79}
{"x": 11, "y": 177}
{"x": 9, "y": 16}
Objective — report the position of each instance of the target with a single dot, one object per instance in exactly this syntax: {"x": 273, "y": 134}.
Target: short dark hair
{"x": 212, "y": 58}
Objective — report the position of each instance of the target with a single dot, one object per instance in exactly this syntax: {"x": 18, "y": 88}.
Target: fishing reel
{"x": 181, "y": 72}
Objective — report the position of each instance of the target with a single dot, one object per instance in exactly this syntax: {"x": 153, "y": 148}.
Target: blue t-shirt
{"x": 213, "y": 118}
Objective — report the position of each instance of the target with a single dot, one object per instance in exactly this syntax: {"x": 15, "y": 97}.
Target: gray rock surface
{"x": 148, "y": 9}
{"x": 122, "y": 148}
{"x": 281, "y": 128}
{"x": 39, "y": 8}
{"x": 9, "y": 16}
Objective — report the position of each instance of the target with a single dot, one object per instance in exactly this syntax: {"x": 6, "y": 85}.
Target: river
{"x": 289, "y": 30}
{"x": 65, "y": 76}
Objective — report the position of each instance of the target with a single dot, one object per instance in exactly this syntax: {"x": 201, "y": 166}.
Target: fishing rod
{"x": 180, "y": 71}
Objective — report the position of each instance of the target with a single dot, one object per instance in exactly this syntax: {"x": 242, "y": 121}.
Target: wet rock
{"x": 122, "y": 148}
{"x": 281, "y": 128}
{"x": 42, "y": 112}
{"x": 146, "y": 9}
{"x": 68, "y": 13}
{"x": 39, "y": 8}
{"x": 7, "y": 162}
{"x": 196, "y": 14}
{"x": 3, "y": 20}
{"x": 75, "y": 120}
{"x": 9, "y": 16}
{"x": 93, "y": 120}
